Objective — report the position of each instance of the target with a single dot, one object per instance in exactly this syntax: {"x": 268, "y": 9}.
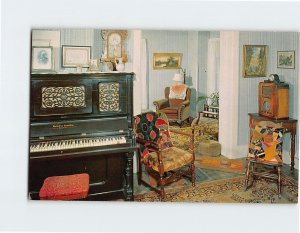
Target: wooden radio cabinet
{"x": 273, "y": 100}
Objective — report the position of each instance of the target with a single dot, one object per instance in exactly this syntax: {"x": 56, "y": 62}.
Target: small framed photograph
{"x": 254, "y": 61}
{"x": 163, "y": 61}
{"x": 286, "y": 59}
{"x": 42, "y": 58}
{"x": 94, "y": 65}
{"x": 76, "y": 56}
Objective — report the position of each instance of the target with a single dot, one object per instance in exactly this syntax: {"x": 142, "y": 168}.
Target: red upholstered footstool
{"x": 68, "y": 187}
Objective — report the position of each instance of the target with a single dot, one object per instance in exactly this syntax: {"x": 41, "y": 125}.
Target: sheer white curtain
{"x": 144, "y": 75}
{"x": 213, "y": 65}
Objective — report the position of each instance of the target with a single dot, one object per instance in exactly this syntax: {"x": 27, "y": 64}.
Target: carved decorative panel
{"x": 63, "y": 97}
{"x": 109, "y": 97}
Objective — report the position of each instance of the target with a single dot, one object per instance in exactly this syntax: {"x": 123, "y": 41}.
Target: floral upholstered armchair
{"x": 162, "y": 160}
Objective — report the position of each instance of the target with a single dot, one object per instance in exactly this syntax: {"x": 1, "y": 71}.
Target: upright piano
{"x": 82, "y": 123}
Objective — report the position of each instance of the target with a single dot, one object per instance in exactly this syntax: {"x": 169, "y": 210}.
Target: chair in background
{"x": 265, "y": 149}
{"x": 177, "y": 108}
{"x": 164, "y": 162}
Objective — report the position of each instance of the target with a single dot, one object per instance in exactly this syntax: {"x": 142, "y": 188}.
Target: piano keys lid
{"x": 101, "y": 126}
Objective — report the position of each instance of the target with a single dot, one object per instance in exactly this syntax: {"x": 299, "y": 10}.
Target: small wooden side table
{"x": 290, "y": 127}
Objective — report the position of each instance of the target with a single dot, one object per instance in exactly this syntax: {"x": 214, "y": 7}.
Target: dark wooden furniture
{"x": 289, "y": 125}
{"x": 163, "y": 161}
{"x": 210, "y": 111}
{"x": 273, "y": 99}
{"x": 82, "y": 123}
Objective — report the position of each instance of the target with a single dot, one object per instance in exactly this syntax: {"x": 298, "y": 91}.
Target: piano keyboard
{"x": 76, "y": 143}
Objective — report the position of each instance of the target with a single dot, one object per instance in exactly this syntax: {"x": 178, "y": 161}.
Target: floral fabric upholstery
{"x": 154, "y": 127}
{"x": 266, "y": 144}
{"x": 172, "y": 158}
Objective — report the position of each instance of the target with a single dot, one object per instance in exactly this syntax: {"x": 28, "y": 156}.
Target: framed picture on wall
{"x": 286, "y": 59}
{"x": 76, "y": 56}
{"x": 254, "y": 61}
{"x": 166, "y": 61}
{"x": 42, "y": 58}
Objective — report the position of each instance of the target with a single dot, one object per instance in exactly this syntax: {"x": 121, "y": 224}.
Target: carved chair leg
{"x": 279, "y": 181}
{"x": 247, "y": 175}
{"x": 193, "y": 174}
{"x": 162, "y": 193}
{"x": 162, "y": 188}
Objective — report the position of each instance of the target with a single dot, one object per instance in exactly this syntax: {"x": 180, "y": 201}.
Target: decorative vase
{"x": 120, "y": 66}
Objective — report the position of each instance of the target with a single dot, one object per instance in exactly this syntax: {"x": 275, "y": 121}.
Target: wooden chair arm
{"x": 184, "y": 103}
{"x": 182, "y": 133}
{"x": 191, "y": 136}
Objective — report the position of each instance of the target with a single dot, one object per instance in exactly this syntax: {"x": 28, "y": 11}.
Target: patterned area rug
{"x": 221, "y": 164}
{"x": 229, "y": 191}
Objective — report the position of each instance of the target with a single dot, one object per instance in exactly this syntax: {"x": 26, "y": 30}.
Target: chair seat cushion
{"x": 172, "y": 158}
{"x": 68, "y": 187}
{"x": 169, "y": 110}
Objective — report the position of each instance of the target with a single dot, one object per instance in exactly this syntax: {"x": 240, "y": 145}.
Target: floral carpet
{"x": 229, "y": 191}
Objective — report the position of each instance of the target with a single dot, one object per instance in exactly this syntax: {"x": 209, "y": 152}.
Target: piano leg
{"x": 128, "y": 189}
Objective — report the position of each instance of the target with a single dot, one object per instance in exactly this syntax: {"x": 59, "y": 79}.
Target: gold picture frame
{"x": 120, "y": 46}
{"x": 162, "y": 61}
{"x": 254, "y": 61}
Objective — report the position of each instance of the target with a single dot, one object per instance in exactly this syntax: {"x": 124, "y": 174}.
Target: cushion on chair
{"x": 266, "y": 144}
{"x": 68, "y": 187}
{"x": 175, "y": 103}
{"x": 172, "y": 157}
{"x": 177, "y": 91}
{"x": 145, "y": 126}
{"x": 151, "y": 127}
{"x": 169, "y": 110}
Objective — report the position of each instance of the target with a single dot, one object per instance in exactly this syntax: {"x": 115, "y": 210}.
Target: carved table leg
{"x": 128, "y": 189}
{"x": 292, "y": 151}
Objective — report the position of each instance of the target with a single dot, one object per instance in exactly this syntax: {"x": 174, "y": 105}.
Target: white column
{"x": 213, "y": 65}
{"x": 229, "y": 91}
{"x": 144, "y": 75}
{"x": 136, "y": 68}
{"x": 192, "y": 69}
{"x": 137, "y": 83}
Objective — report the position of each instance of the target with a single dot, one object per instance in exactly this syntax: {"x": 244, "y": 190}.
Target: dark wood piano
{"x": 82, "y": 123}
